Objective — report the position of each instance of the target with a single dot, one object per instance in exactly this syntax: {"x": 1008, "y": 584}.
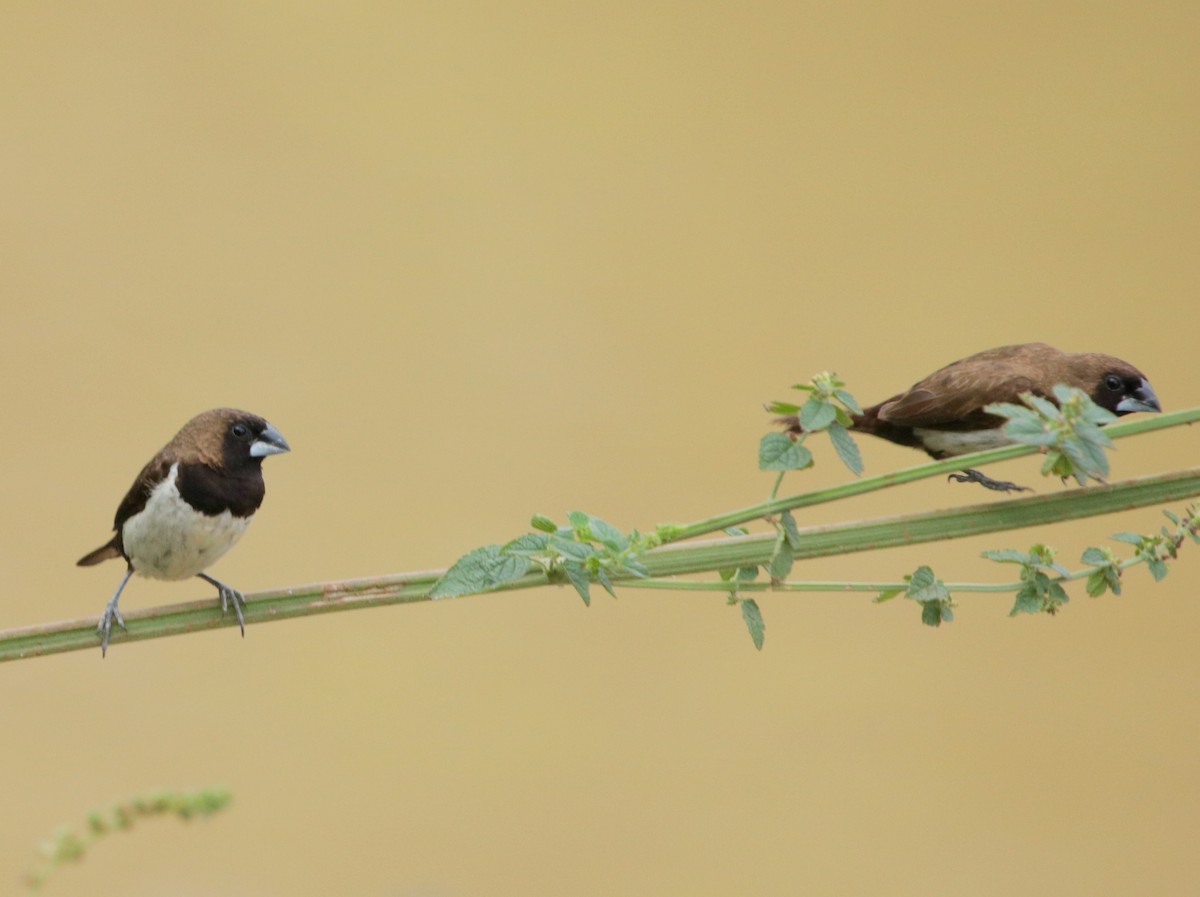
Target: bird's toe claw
{"x": 233, "y": 596}
{"x": 970, "y": 475}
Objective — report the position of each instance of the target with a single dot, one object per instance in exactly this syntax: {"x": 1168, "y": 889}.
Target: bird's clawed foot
{"x": 970, "y": 475}
{"x": 111, "y": 615}
{"x": 229, "y": 595}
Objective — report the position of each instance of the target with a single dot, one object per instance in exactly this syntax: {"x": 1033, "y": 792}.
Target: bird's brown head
{"x": 229, "y": 439}
{"x": 1117, "y": 385}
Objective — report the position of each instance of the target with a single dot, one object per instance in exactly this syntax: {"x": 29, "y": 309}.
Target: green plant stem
{"x": 667, "y": 560}
{"x": 708, "y": 585}
{"x": 680, "y": 532}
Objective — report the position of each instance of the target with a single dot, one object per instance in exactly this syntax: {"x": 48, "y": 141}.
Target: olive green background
{"x": 477, "y": 261}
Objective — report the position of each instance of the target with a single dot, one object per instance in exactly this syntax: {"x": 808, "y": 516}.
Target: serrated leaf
{"x": 1095, "y": 557}
{"x": 933, "y": 613}
{"x": 543, "y": 523}
{"x": 925, "y": 587}
{"x": 846, "y": 449}
{"x": 747, "y": 574}
{"x": 1028, "y": 601}
{"x": 1011, "y": 411}
{"x": 887, "y": 595}
{"x": 569, "y": 548}
{"x": 817, "y": 414}
{"x": 752, "y": 617}
{"x": 788, "y": 522}
{"x": 848, "y": 400}
{"x": 530, "y": 543}
{"x": 1129, "y": 538}
{"x": 778, "y": 451}
{"x": 634, "y": 566}
{"x": 1097, "y": 583}
{"x": 479, "y": 571}
{"x": 1158, "y": 568}
{"x": 602, "y": 578}
{"x": 607, "y": 534}
{"x": 1042, "y": 406}
{"x": 1007, "y": 556}
{"x": 784, "y": 408}
{"x": 1030, "y": 432}
{"x": 781, "y": 560}
{"x": 578, "y": 577}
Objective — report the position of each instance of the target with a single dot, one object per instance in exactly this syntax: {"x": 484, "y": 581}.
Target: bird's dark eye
{"x": 241, "y": 431}
{"x": 1113, "y": 382}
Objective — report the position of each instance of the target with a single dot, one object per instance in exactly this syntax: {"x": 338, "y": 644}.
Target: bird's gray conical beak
{"x": 1143, "y": 399}
{"x": 271, "y": 442}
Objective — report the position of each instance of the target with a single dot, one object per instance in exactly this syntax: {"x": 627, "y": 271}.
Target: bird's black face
{"x": 1124, "y": 393}
{"x": 249, "y": 439}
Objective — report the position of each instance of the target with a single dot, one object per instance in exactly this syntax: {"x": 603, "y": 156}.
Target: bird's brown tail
{"x": 103, "y": 553}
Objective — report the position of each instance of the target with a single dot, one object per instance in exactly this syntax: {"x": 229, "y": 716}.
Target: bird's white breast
{"x": 962, "y": 442}
{"x": 169, "y": 539}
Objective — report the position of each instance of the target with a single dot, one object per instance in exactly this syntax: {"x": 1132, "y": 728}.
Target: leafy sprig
{"x": 735, "y": 578}
{"x": 67, "y": 846}
{"x": 929, "y": 592}
{"x": 1069, "y": 432}
{"x": 827, "y": 409}
{"x": 584, "y": 550}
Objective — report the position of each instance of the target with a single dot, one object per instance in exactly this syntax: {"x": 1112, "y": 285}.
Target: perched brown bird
{"x": 943, "y": 414}
{"x": 190, "y": 504}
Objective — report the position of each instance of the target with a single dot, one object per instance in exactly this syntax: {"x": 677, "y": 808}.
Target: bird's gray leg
{"x": 970, "y": 475}
{"x": 111, "y": 613}
{"x": 229, "y": 595}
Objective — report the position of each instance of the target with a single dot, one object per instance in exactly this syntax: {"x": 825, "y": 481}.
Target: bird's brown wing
{"x": 954, "y": 397}
{"x": 139, "y": 493}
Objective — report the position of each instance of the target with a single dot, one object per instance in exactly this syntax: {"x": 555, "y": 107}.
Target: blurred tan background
{"x": 477, "y": 261}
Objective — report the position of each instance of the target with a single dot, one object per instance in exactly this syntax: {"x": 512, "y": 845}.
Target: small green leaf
{"x": 736, "y": 531}
{"x": 1028, "y": 601}
{"x": 602, "y": 578}
{"x": 579, "y": 579}
{"x": 636, "y": 567}
{"x": 1097, "y": 583}
{"x": 784, "y": 408}
{"x": 781, "y": 559}
{"x": 778, "y": 451}
{"x": 579, "y": 522}
{"x": 747, "y": 574}
{"x": 848, "y": 400}
{"x": 569, "y": 548}
{"x": 817, "y": 414}
{"x": 754, "y": 621}
{"x": 887, "y": 595}
{"x": 1158, "y": 568}
{"x": 1095, "y": 557}
{"x": 924, "y": 587}
{"x": 607, "y": 534}
{"x": 530, "y": 543}
{"x": 788, "y": 522}
{"x": 934, "y": 613}
{"x": 543, "y": 523}
{"x": 1130, "y": 538}
{"x": 1008, "y": 556}
{"x": 479, "y": 571}
{"x": 846, "y": 449}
